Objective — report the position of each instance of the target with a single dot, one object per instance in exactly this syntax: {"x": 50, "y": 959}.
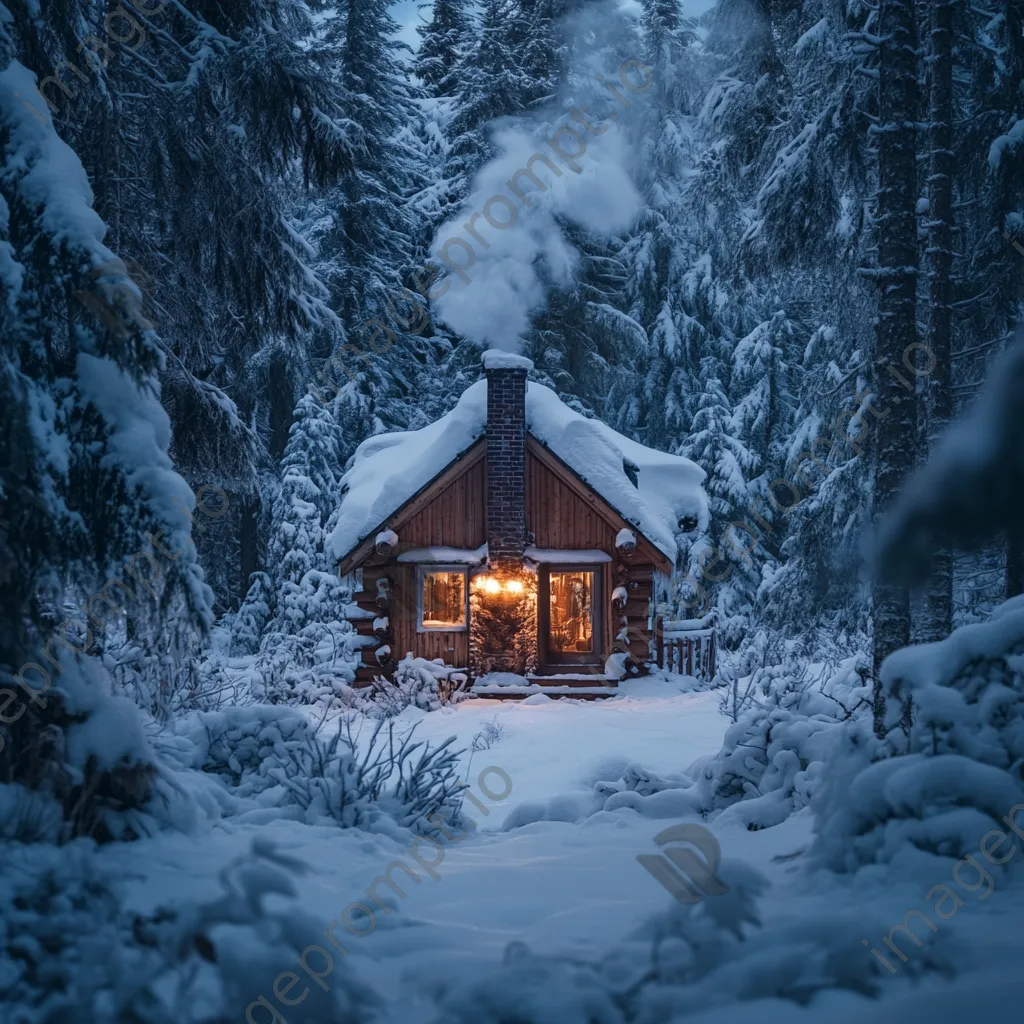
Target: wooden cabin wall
{"x": 558, "y": 518}
{"x": 455, "y": 518}
{"x": 401, "y": 614}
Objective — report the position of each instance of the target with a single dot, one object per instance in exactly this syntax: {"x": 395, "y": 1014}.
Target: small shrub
{"x": 420, "y": 683}
{"x": 491, "y": 732}
{"x": 409, "y": 781}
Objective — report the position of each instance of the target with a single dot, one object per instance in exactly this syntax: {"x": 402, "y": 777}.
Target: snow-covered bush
{"x": 27, "y": 816}
{"x": 722, "y": 952}
{"x": 304, "y": 670}
{"x": 83, "y": 748}
{"x": 309, "y": 659}
{"x": 248, "y": 624}
{"x": 233, "y": 743}
{"x": 70, "y": 952}
{"x": 530, "y": 989}
{"x": 358, "y": 778}
{"x": 786, "y": 723}
{"x": 682, "y": 962}
{"x": 391, "y": 777}
{"x": 939, "y": 788}
{"x": 418, "y": 683}
{"x": 487, "y": 736}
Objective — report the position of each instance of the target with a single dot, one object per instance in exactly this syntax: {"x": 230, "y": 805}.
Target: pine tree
{"x": 314, "y": 451}
{"x": 938, "y": 611}
{"x": 443, "y": 50}
{"x": 758, "y": 376}
{"x": 712, "y": 445}
{"x": 252, "y": 617}
{"x": 100, "y": 517}
{"x": 896, "y": 329}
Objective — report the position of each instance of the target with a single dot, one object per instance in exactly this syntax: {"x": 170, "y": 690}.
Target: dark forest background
{"x": 828, "y": 257}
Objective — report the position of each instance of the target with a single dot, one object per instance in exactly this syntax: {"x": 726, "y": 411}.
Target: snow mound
{"x": 959, "y": 771}
{"x": 389, "y": 469}
{"x": 498, "y": 359}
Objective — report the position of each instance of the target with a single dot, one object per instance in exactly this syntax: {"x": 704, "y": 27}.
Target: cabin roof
{"x": 389, "y": 469}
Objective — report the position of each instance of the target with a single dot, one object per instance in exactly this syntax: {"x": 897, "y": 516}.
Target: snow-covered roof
{"x": 389, "y": 469}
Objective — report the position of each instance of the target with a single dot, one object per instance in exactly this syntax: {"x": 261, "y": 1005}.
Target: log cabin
{"x": 521, "y": 543}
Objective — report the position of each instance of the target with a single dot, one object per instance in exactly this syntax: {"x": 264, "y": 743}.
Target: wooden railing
{"x": 687, "y": 646}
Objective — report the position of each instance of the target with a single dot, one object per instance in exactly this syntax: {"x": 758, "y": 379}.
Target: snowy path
{"x": 562, "y": 888}
{"x": 557, "y": 886}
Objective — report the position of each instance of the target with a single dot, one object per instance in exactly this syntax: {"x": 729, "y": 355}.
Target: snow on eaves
{"x": 388, "y": 469}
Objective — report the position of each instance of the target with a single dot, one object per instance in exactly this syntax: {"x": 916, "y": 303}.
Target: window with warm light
{"x": 570, "y": 615}
{"x": 442, "y": 599}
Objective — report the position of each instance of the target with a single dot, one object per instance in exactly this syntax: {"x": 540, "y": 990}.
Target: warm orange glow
{"x": 443, "y": 600}
{"x": 571, "y": 619}
{"x": 495, "y": 585}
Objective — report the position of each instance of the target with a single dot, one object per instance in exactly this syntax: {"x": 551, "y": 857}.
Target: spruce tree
{"x": 443, "y": 50}
{"x": 101, "y": 521}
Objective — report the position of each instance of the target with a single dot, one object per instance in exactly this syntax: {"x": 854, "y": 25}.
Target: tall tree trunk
{"x": 938, "y": 611}
{"x": 1015, "y": 560}
{"x": 896, "y": 327}
{"x": 248, "y": 544}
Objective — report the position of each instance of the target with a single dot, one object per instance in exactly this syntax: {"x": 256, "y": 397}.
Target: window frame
{"x": 422, "y": 571}
{"x": 549, "y": 657}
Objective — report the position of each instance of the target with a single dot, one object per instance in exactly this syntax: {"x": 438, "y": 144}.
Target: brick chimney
{"x": 506, "y": 457}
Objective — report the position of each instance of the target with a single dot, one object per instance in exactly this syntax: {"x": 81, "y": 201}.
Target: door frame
{"x": 567, "y": 661}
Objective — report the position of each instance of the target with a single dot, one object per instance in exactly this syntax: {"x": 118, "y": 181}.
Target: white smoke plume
{"x": 506, "y": 244}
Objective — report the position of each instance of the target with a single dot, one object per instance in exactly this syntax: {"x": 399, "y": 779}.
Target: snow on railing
{"x": 687, "y": 646}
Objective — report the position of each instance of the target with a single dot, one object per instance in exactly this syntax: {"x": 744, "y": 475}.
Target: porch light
{"x": 493, "y": 585}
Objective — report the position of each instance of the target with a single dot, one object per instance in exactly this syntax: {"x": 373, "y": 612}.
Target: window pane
{"x": 572, "y": 624}
{"x": 444, "y": 600}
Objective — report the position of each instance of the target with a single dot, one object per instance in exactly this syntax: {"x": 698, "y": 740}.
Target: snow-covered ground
{"x": 568, "y": 887}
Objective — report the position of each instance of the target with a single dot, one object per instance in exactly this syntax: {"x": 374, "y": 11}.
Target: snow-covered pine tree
{"x": 101, "y": 518}
{"x": 198, "y": 125}
{"x": 445, "y": 40}
{"x": 762, "y": 402}
{"x": 493, "y": 87}
{"x": 370, "y": 239}
{"x": 806, "y": 238}
{"x": 296, "y": 544}
{"x": 314, "y": 451}
{"x": 252, "y": 617}
{"x": 729, "y": 585}
{"x": 303, "y": 625}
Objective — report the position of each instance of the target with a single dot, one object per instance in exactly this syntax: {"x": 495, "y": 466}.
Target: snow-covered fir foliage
{"x": 98, "y": 520}
{"x": 70, "y": 951}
